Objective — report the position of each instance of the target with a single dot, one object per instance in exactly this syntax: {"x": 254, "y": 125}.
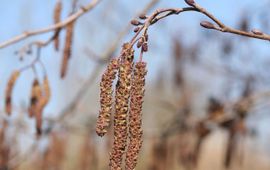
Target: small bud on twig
{"x": 140, "y": 42}
{"x": 145, "y": 47}
{"x": 146, "y": 37}
{"x": 257, "y": 32}
{"x": 190, "y": 2}
{"x": 136, "y": 29}
{"x": 135, "y": 22}
{"x": 142, "y": 16}
{"x": 207, "y": 25}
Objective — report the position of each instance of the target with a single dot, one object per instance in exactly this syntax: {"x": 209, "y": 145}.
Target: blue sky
{"x": 22, "y": 15}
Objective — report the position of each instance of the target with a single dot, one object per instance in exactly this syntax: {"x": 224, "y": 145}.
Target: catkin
{"x": 46, "y": 95}
{"x": 122, "y": 95}
{"x": 67, "y": 48}
{"x": 35, "y": 97}
{"x": 106, "y": 97}
{"x": 9, "y": 89}
{"x": 135, "y": 115}
{"x": 57, "y": 19}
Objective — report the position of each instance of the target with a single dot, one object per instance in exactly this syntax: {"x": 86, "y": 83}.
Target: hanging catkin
{"x": 46, "y": 95}
{"x": 36, "y": 94}
{"x": 9, "y": 89}
{"x": 57, "y": 19}
{"x": 106, "y": 97}
{"x": 67, "y": 49}
{"x": 135, "y": 115}
{"x": 121, "y": 108}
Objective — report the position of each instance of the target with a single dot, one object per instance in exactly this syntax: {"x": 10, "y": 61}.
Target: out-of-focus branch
{"x": 53, "y": 27}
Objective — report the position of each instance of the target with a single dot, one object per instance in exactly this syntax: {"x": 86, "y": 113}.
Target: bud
{"x": 190, "y": 2}
{"x": 140, "y": 42}
{"x": 257, "y": 32}
{"x": 146, "y": 37}
{"x": 136, "y": 29}
{"x": 135, "y": 22}
{"x": 207, "y": 25}
{"x": 145, "y": 47}
{"x": 142, "y": 16}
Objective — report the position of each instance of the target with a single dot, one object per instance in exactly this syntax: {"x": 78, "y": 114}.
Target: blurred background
{"x": 207, "y": 93}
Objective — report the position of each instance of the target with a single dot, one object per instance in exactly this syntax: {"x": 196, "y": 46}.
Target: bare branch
{"x": 54, "y": 27}
{"x": 218, "y": 25}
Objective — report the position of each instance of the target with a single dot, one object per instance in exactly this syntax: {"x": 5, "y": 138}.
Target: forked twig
{"x": 142, "y": 27}
{"x": 53, "y": 27}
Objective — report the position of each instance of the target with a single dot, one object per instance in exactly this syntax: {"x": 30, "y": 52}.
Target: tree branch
{"x": 105, "y": 57}
{"x": 54, "y": 27}
{"x": 217, "y": 25}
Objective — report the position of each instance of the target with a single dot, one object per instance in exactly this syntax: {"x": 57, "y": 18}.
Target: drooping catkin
{"x": 46, "y": 95}
{"x": 106, "y": 97}
{"x": 67, "y": 49}
{"x": 122, "y": 95}
{"x": 9, "y": 89}
{"x": 57, "y": 19}
{"x": 36, "y": 94}
{"x": 135, "y": 115}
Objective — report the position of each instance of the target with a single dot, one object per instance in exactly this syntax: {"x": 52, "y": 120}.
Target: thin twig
{"x": 53, "y": 27}
{"x": 105, "y": 58}
{"x": 163, "y": 13}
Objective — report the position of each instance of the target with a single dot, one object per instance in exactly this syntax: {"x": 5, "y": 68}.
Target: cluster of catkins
{"x": 127, "y": 107}
{"x": 40, "y": 93}
{"x": 40, "y": 96}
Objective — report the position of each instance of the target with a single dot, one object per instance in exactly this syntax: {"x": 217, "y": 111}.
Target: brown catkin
{"x": 46, "y": 95}
{"x": 57, "y": 19}
{"x": 135, "y": 115}
{"x": 9, "y": 89}
{"x": 36, "y": 94}
{"x": 106, "y": 97}
{"x": 67, "y": 49}
{"x": 122, "y": 95}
